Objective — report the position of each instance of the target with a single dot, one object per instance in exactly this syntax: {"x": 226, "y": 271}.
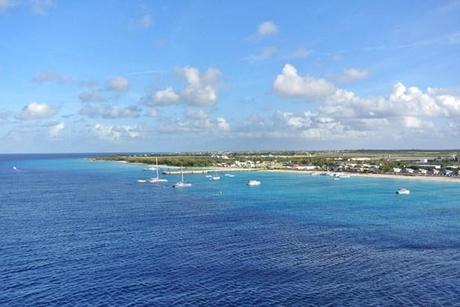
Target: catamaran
{"x": 157, "y": 179}
{"x": 181, "y": 183}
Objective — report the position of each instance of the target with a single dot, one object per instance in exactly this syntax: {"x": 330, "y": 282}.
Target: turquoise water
{"x": 85, "y": 233}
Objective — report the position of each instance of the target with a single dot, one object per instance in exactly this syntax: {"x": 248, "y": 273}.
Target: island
{"x": 407, "y": 163}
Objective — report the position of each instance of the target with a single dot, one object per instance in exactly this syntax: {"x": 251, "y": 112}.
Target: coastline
{"x": 383, "y": 176}
{"x": 205, "y": 170}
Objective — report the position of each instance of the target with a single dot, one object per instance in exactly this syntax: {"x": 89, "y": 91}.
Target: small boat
{"x": 150, "y": 168}
{"x": 403, "y": 191}
{"x": 15, "y": 168}
{"x": 253, "y": 183}
{"x": 229, "y": 175}
{"x": 181, "y": 184}
{"x": 208, "y": 176}
{"x": 141, "y": 181}
{"x": 214, "y": 178}
{"x": 157, "y": 179}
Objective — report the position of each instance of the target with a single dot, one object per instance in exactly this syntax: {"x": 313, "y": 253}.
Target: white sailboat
{"x": 182, "y": 184}
{"x": 157, "y": 179}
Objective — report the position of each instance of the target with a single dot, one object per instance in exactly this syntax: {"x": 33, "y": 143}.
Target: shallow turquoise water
{"x": 80, "y": 232}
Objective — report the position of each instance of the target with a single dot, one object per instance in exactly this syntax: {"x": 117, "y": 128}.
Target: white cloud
{"x": 146, "y": 21}
{"x": 152, "y": 112}
{"x": 289, "y": 83}
{"x": 55, "y": 130}
{"x": 201, "y": 89}
{"x": 300, "y": 53}
{"x": 354, "y": 74}
{"x": 110, "y": 111}
{"x": 265, "y": 54}
{"x": 118, "y": 84}
{"x": 36, "y": 110}
{"x": 50, "y": 76}
{"x": 41, "y": 7}
{"x": 267, "y": 28}
{"x": 412, "y": 122}
{"x": 164, "y": 97}
{"x": 6, "y": 4}
{"x": 92, "y": 96}
{"x": 196, "y": 122}
{"x": 222, "y": 124}
{"x": 117, "y": 133}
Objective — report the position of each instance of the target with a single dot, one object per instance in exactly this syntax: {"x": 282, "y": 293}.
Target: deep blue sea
{"x": 75, "y": 232}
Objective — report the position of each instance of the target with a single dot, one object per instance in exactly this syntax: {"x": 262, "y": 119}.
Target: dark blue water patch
{"x": 80, "y": 233}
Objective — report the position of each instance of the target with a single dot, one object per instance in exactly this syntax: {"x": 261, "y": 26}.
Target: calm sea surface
{"x": 74, "y": 232}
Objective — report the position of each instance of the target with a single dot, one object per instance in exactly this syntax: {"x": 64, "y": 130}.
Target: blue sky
{"x": 79, "y": 76}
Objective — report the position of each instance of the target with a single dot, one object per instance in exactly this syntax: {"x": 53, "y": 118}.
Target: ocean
{"x": 76, "y": 232}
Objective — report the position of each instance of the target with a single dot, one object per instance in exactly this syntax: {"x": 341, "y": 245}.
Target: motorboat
{"x": 214, "y": 178}
{"x": 403, "y": 191}
{"x": 253, "y": 183}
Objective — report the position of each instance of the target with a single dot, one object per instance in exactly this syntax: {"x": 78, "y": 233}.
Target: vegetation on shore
{"x": 383, "y": 162}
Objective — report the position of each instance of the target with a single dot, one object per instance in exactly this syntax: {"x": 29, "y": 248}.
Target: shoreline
{"x": 205, "y": 170}
{"x": 382, "y": 176}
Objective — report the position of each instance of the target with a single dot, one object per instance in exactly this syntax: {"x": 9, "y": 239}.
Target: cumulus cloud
{"x": 290, "y": 83}
{"x": 201, "y": 89}
{"x": 353, "y": 74}
{"x": 118, "y": 84}
{"x": 117, "y": 133}
{"x": 36, "y": 110}
{"x": 110, "y": 111}
{"x": 343, "y": 113}
{"x": 267, "y": 28}
{"x": 50, "y": 76}
{"x": 55, "y": 130}
{"x": 164, "y": 97}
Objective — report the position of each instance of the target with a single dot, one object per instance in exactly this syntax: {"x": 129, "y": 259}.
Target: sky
{"x": 165, "y": 76}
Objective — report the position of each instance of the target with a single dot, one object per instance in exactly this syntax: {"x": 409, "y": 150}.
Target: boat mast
{"x": 158, "y": 175}
{"x": 182, "y": 174}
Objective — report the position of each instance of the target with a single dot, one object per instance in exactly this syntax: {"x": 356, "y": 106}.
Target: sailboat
{"x": 182, "y": 184}
{"x": 157, "y": 179}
